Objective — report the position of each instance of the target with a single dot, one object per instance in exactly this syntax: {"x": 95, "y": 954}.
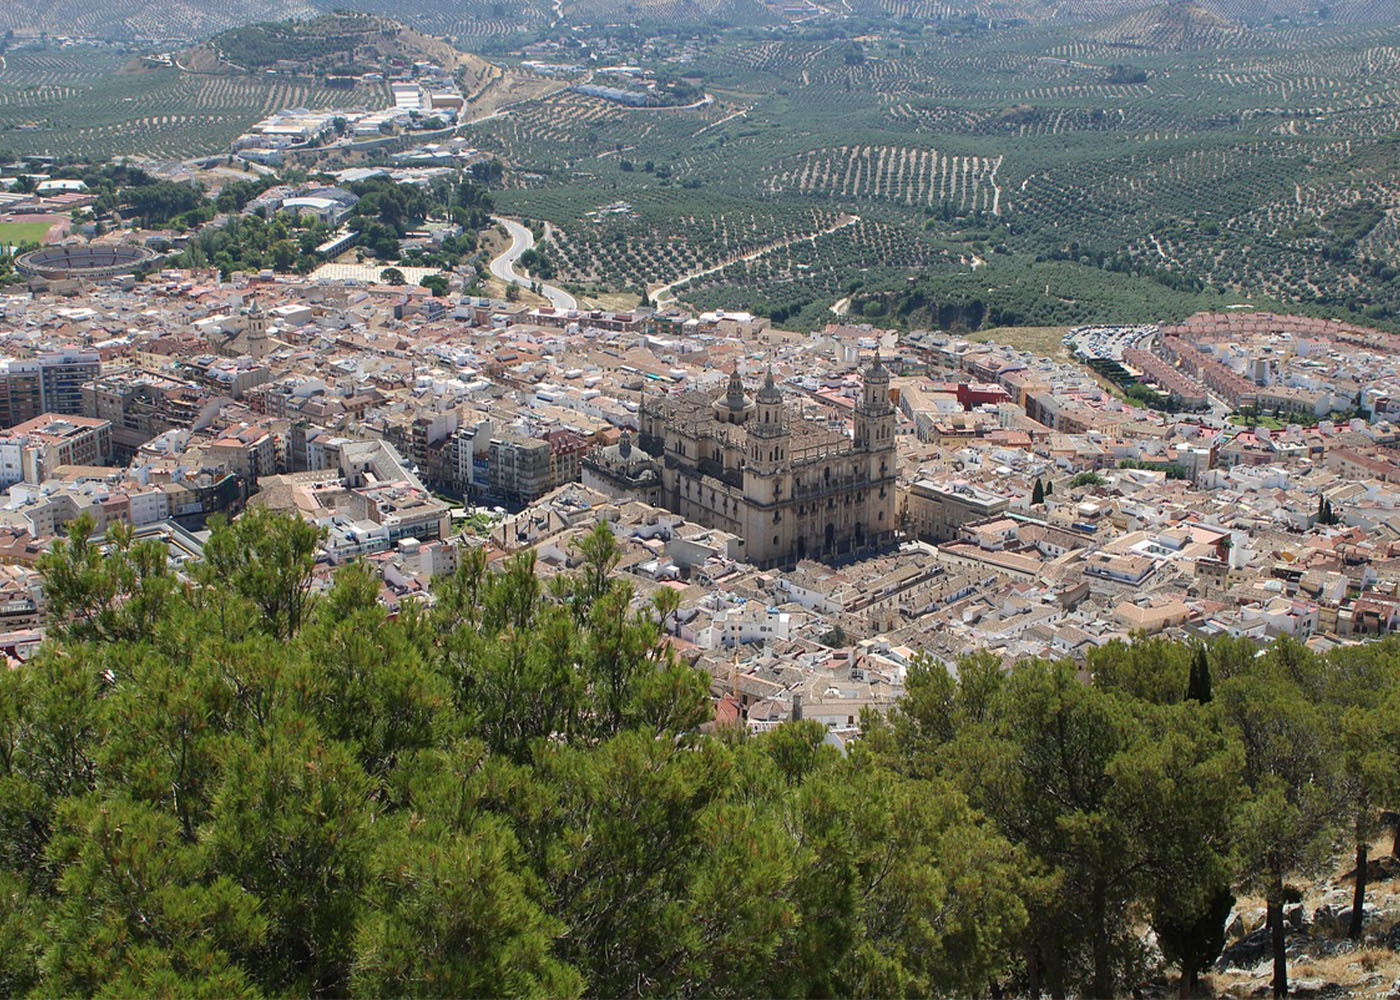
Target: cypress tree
{"x": 1038, "y": 494}
{"x": 1198, "y": 686}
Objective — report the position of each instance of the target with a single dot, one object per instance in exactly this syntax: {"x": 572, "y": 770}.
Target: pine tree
{"x": 1362, "y": 691}
{"x": 1194, "y": 943}
{"x": 1291, "y": 818}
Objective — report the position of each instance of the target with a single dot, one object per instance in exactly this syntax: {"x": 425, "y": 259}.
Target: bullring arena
{"x": 89, "y": 262}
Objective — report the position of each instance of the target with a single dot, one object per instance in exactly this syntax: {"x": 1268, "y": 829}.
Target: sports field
{"x": 22, "y": 232}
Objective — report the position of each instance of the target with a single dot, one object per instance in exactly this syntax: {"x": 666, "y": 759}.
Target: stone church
{"x": 791, "y": 488}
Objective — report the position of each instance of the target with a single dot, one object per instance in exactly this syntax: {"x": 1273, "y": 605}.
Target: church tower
{"x": 255, "y": 320}
{"x": 255, "y": 332}
{"x": 768, "y": 430}
{"x": 767, "y": 475}
{"x": 875, "y": 419}
{"x": 875, "y": 423}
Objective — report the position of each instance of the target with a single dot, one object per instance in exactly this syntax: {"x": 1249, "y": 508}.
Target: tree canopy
{"x": 237, "y": 784}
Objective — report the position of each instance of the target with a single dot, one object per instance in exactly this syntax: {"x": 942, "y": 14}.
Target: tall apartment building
{"x": 141, "y": 405}
{"x": 467, "y": 458}
{"x": 30, "y": 451}
{"x": 519, "y": 465}
{"x": 566, "y": 452}
{"x": 50, "y": 383}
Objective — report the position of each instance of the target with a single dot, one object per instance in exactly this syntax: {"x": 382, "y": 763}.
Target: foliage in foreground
{"x": 228, "y": 788}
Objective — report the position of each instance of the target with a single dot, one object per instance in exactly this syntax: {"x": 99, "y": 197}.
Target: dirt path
{"x": 665, "y": 294}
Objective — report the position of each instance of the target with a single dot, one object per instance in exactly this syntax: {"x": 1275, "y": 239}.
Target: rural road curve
{"x": 503, "y": 267}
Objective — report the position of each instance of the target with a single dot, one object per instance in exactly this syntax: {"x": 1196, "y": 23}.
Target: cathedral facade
{"x": 791, "y": 488}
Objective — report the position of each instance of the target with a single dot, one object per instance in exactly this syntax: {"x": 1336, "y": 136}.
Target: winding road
{"x": 503, "y": 267}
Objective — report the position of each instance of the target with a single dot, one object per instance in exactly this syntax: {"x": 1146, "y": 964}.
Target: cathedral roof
{"x": 626, "y": 459}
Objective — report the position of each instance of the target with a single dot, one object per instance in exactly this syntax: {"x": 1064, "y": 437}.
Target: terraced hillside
{"x": 148, "y": 19}
{"x": 1160, "y": 157}
{"x": 92, "y": 104}
{"x": 1164, "y": 160}
{"x": 469, "y": 21}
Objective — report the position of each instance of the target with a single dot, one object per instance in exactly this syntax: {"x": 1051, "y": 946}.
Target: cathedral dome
{"x": 734, "y": 406}
{"x": 627, "y": 461}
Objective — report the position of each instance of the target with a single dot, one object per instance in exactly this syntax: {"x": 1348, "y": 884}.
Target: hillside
{"x": 332, "y": 41}
{"x": 468, "y": 20}
{"x": 727, "y": 12}
{"x": 143, "y": 19}
{"x": 1170, "y": 27}
{"x": 333, "y": 37}
{"x": 334, "y": 44}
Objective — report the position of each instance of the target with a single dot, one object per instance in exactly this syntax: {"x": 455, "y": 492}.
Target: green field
{"x": 22, "y": 232}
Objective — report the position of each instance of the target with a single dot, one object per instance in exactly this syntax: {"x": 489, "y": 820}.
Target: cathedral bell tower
{"x": 255, "y": 319}
{"x": 875, "y": 440}
{"x": 875, "y": 420}
{"x": 767, "y": 476}
{"x": 768, "y": 430}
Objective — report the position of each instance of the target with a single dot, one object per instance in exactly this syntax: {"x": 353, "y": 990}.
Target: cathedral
{"x": 791, "y": 488}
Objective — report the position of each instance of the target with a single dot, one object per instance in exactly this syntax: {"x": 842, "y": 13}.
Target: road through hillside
{"x": 503, "y": 267}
